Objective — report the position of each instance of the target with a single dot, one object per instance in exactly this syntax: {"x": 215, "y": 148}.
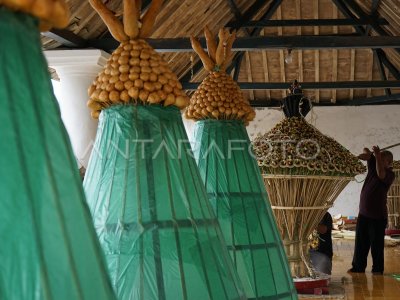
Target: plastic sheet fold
{"x": 237, "y": 195}
{"x": 150, "y": 209}
{"x": 49, "y": 249}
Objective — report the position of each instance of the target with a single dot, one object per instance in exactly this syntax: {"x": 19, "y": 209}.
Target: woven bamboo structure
{"x": 393, "y": 201}
{"x": 304, "y": 171}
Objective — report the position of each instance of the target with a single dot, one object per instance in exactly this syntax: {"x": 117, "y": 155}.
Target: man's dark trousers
{"x": 370, "y": 233}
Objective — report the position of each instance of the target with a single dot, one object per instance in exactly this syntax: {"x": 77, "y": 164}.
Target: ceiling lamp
{"x": 289, "y": 57}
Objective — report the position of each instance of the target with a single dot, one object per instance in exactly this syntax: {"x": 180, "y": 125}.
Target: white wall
{"x": 353, "y": 127}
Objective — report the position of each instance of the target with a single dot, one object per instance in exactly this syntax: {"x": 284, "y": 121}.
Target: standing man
{"x": 372, "y": 217}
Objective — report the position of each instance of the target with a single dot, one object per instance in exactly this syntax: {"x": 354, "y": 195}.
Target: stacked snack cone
{"x": 218, "y": 96}
{"x": 158, "y": 232}
{"x": 135, "y": 73}
{"x": 233, "y": 181}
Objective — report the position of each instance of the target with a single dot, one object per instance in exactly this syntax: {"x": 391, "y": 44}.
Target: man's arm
{"x": 380, "y": 169}
{"x": 366, "y": 155}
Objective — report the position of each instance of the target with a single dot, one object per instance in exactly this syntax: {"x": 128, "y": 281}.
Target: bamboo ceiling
{"x": 181, "y": 18}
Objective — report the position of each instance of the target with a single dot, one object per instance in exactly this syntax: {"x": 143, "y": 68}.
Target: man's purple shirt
{"x": 374, "y": 192}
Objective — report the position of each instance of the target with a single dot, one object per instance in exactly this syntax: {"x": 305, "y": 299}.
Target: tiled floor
{"x": 365, "y": 286}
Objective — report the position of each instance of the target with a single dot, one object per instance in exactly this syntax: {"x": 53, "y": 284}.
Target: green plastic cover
{"x": 151, "y": 212}
{"x": 49, "y": 248}
{"x": 237, "y": 194}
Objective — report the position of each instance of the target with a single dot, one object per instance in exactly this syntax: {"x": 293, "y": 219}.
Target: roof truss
{"x": 355, "y": 17}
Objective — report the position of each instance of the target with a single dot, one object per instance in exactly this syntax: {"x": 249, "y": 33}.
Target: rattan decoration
{"x": 218, "y": 96}
{"x": 393, "y": 201}
{"x": 304, "y": 171}
{"x": 135, "y": 73}
{"x": 51, "y": 13}
{"x": 294, "y": 146}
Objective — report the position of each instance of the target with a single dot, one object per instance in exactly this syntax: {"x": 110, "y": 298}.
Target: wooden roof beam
{"x": 378, "y": 100}
{"x": 237, "y": 59}
{"x": 382, "y": 71}
{"x": 358, "y": 10}
{"x": 66, "y": 38}
{"x": 309, "y": 85}
{"x": 335, "y": 55}
{"x": 374, "y": 13}
{"x": 361, "y": 31}
{"x": 247, "y": 16}
{"x": 309, "y": 22}
{"x": 234, "y": 9}
{"x": 238, "y": 15}
{"x": 268, "y": 42}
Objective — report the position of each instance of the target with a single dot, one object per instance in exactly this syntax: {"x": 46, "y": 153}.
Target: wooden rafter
{"x": 267, "y": 15}
{"x": 316, "y": 52}
{"x": 352, "y": 70}
{"x": 307, "y": 22}
{"x": 334, "y": 57}
{"x": 382, "y": 71}
{"x": 266, "y": 69}
{"x": 257, "y": 43}
{"x": 299, "y": 53}
{"x": 234, "y": 9}
{"x": 361, "y": 31}
{"x": 358, "y": 10}
{"x": 374, "y": 10}
{"x": 281, "y": 53}
{"x": 392, "y": 99}
{"x": 249, "y": 76}
{"x": 370, "y": 69}
{"x": 309, "y": 85}
{"x": 247, "y": 16}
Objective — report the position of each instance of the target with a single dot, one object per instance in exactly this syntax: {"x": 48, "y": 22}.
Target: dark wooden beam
{"x": 361, "y": 31}
{"x": 358, "y": 10}
{"x": 382, "y": 71}
{"x": 238, "y": 15}
{"x": 374, "y": 14}
{"x": 394, "y": 98}
{"x": 255, "y": 43}
{"x": 247, "y": 16}
{"x": 374, "y": 7}
{"x": 377, "y": 100}
{"x": 309, "y": 22}
{"x": 250, "y": 13}
{"x": 348, "y": 14}
{"x": 237, "y": 60}
{"x": 308, "y": 85}
{"x": 238, "y": 63}
{"x": 392, "y": 68}
{"x": 66, "y": 38}
{"x": 234, "y": 9}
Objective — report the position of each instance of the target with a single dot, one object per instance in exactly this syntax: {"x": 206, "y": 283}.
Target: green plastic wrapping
{"x": 150, "y": 209}
{"x": 49, "y": 248}
{"x": 237, "y": 195}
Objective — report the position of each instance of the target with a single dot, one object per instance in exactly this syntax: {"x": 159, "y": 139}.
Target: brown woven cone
{"x": 294, "y": 146}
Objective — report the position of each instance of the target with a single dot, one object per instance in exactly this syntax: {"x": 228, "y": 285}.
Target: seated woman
{"x": 321, "y": 257}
